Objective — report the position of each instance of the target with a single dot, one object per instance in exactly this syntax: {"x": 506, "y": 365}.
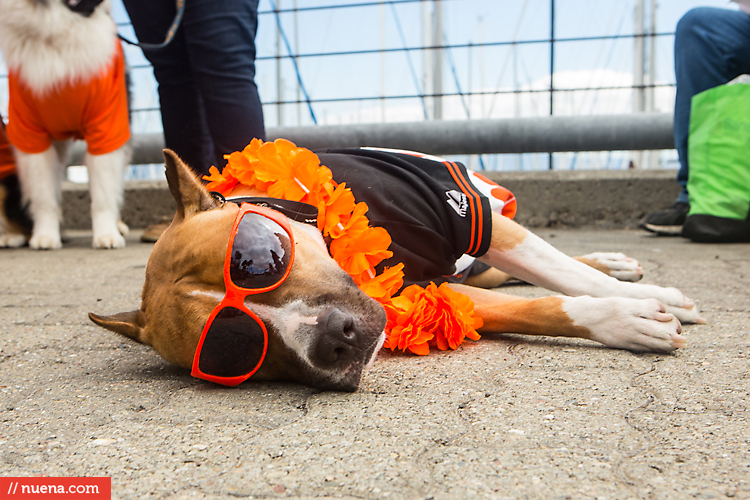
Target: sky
{"x": 478, "y": 69}
{"x": 577, "y": 64}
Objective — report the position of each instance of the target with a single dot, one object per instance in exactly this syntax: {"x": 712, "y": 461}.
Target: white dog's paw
{"x": 108, "y": 231}
{"x": 632, "y": 324}
{"x": 12, "y": 240}
{"x": 45, "y": 241}
{"x": 617, "y": 265}
{"x": 108, "y": 240}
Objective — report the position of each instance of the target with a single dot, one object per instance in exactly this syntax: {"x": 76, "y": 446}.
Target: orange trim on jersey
{"x": 96, "y": 111}
{"x": 501, "y": 193}
{"x": 477, "y": 198}
{"x": 474, "y": 204}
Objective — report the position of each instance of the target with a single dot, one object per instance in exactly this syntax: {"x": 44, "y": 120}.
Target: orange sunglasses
{"x": 260, "y": 254}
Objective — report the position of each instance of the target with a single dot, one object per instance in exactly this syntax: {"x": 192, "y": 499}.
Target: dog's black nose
{"x": 339, "y": 337}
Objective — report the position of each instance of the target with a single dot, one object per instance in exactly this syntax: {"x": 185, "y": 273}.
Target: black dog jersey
{"x": 434, "y": 209}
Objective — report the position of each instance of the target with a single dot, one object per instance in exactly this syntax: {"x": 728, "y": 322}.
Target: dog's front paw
{"x": 45, "y": 241}
{"x": 109, "y": 240}
{"x": 618, "y": 265}
{"x": 632, "y": 324}
{"x": 12, "y": 240}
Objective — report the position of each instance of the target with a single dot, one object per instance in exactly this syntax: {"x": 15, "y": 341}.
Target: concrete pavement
{"x": 504, "y": 417}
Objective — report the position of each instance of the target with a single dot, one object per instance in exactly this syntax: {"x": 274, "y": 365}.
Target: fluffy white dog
{"x": 66, "y": 81}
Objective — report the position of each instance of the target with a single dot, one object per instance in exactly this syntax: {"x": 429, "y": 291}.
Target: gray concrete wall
{"x": 595, "y": 199}
{"x": 589, "y": 199}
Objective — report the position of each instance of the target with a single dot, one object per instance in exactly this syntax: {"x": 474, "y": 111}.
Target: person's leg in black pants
{"x": 209, "y": 101}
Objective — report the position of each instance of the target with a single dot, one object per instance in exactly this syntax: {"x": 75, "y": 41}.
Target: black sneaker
{"x": 667, "y": 222}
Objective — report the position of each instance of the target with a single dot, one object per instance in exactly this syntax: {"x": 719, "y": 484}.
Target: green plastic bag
{"x": 719, "y": 155}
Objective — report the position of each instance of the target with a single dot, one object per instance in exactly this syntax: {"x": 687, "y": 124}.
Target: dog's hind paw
{"x": 686, "y": 312}
{"x": 618, "y": 265}
{"x": 676, "y": 303}
{"x": 110, "y": 240}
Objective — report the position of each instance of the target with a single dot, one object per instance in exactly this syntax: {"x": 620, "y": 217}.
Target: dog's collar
{"x": 294, "y": 210}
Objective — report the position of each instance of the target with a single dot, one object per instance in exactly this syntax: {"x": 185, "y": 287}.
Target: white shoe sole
{"x": 665, "y": 230}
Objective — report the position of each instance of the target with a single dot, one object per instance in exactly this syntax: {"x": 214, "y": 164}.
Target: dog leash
{"x": 87, "y": 7}
{"x": 180, "y": 6}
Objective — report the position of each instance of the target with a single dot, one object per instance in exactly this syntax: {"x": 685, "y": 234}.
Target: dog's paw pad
{"x": 45, "y": 242}
{"x": 108, "y": 241}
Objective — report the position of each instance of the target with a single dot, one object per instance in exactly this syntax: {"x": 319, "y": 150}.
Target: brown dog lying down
{"x": 322, "y": 330}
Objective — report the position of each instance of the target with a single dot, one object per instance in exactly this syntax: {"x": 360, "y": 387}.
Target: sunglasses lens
{"x": 261, "y": 253}
{"x": 233, "y": 346}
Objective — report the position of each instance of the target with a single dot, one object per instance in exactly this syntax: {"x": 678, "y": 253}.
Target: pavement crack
{"x": 651, "y": 397}
{"x": 634, "y": 382}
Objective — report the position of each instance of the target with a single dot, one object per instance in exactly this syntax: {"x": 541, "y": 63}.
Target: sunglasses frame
{"x": 235, "y": 295}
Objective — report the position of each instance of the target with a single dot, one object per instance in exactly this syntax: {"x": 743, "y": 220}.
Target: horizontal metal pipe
{"x": 632, "y": 132}
{"x": 548, "y": 134}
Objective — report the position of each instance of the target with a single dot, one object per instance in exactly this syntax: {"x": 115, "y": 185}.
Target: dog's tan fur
{"x": 184, "y": 282}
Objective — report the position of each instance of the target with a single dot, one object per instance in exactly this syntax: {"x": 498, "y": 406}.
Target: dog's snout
{"x": 339, "y": 337}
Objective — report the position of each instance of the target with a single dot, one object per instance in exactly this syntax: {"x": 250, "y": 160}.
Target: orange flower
{"x": 411, "y": 321}
{"x": 464, "y": 308}
{"x": 289, "y": 169}
{"x": 251, "y": 150}
{"x": 218, "y": 182}
{"x": 362, "y": 250}
{"x": 340, "y": 203}
{"x": 239, "y": 167}
{"x": 419, "y": 318}
{"x": 321, "y": 184}
{"x": 356, "y": 246}
{"x": 384, "y": 285}
{"x": 456, "y": 321}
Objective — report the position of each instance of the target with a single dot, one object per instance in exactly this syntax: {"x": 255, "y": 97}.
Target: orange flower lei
{"x": 417, "y": 318}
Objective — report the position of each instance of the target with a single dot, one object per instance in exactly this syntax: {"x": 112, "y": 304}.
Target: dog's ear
{"x": 130, "y": 324}
{"x": 188, "y": 192}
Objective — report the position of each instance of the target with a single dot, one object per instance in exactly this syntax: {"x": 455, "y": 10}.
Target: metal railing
{"x": 634, "y": 132}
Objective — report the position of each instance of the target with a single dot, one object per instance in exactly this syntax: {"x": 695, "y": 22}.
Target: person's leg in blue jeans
{"x": 711, "y": 47}
{"x": 209, "y": 101}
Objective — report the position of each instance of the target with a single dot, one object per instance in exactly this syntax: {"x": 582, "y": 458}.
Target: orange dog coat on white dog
{"x": 96, "y": 111}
